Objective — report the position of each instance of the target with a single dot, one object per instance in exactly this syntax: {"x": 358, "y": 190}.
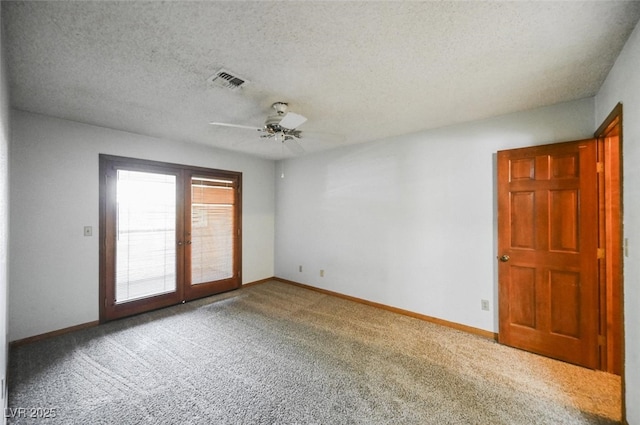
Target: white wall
{"x": 54, "y": 193}
{"x": 4, "y": 216}
{"x": 410, "y": 222}
{"x": 623, "y": 85}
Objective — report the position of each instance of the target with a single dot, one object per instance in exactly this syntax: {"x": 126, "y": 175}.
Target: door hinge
{"x": 599, "y": 167}
{"x": 600, "y": 253}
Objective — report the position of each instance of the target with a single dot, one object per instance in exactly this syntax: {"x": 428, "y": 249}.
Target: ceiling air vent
{"x": 227, "y": 79}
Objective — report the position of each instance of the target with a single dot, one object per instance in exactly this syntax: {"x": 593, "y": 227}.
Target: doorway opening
{"x": 168, "y": 234}
{"x": 561, "y": 249}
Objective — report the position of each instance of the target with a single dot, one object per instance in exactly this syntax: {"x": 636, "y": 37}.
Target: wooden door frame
{"x": 613, "y": 236}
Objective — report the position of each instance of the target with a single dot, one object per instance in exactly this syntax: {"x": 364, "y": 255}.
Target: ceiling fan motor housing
{"x": 280, "y": 107}
{"x": 272, "y": 124}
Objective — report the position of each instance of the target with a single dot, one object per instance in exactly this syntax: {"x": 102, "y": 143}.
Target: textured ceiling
{"x": 359, "y": 71}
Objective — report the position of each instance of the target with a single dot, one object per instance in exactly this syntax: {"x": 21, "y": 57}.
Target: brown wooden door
{"x": 548, "y": 250}
{"x": 140, "y": 218}
{"x": 212, "y": 234}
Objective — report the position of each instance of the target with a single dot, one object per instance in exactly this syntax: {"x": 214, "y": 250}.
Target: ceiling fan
{"x": 281, "y": 127}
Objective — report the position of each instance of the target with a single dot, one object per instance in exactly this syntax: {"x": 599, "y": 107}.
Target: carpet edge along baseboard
{"x": 58, "y": 332}
{"x": 52, "y": 334}
{"x": 458, "y": 326}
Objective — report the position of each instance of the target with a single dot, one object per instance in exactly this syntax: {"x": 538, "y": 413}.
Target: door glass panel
{"x": 146, "y": 235}
{"x": 212, "y": 234}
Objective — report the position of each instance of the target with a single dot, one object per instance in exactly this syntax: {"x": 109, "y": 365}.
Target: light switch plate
{"x": 88, "y": 231}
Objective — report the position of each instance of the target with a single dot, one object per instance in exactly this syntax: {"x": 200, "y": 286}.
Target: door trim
{"x": 613, "y": 120}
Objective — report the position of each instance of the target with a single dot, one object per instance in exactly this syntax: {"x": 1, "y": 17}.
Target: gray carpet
{"x": 278, "y": 354}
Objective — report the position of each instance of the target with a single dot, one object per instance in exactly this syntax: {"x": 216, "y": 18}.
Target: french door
{"x": 168, "y": 234}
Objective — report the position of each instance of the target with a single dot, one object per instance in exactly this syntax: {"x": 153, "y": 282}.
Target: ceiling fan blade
{"x": 291, "y": 121}
{"x": 248, "y": 127}
{"x": 293, "y": 145}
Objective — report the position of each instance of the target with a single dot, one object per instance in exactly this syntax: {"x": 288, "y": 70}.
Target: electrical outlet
{"x": 300, "y": 269}
{"x": 88, "y": 230}
{"x": 484, "y": 304}
{"x": 321, "y": 273}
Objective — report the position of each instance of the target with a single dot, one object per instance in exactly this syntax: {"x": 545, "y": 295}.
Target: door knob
{"x": 504, "y": 258}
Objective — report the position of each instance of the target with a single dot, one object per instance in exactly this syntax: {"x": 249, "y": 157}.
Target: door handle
{"x": 504, "y": 258}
